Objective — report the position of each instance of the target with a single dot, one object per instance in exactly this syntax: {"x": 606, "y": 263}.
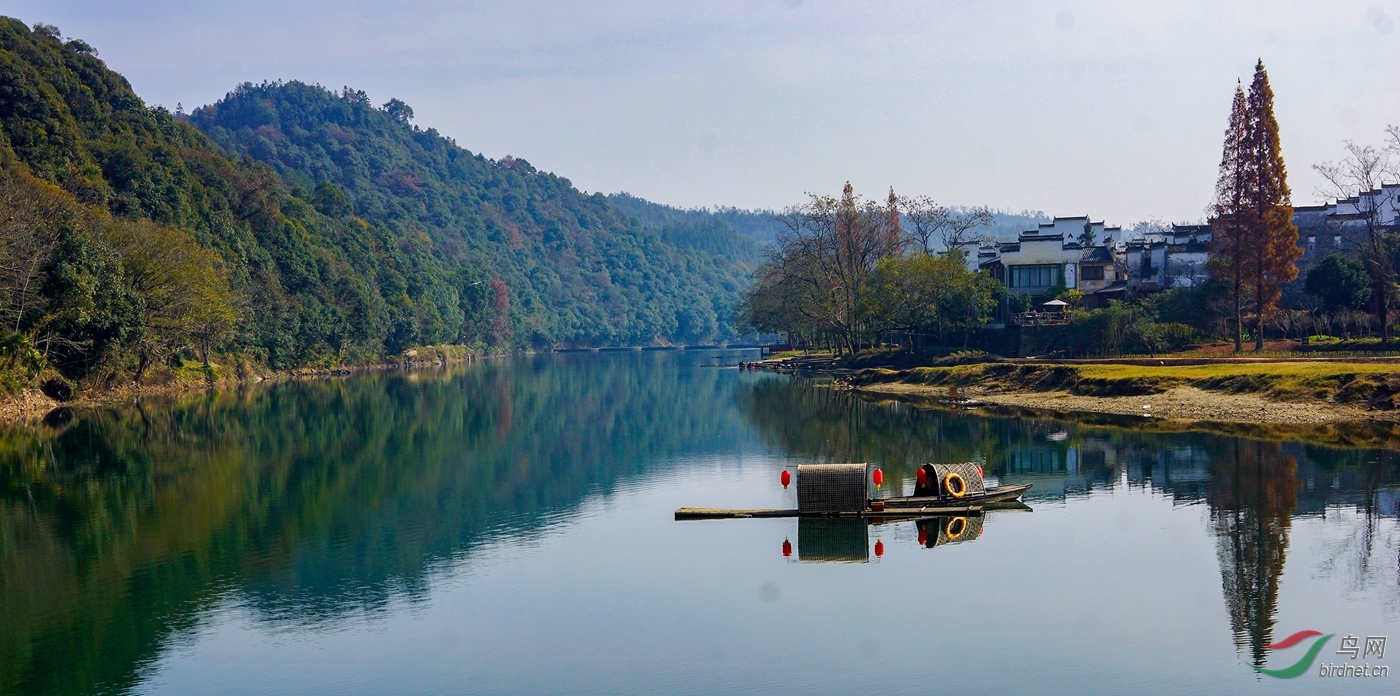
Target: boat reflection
{"x": 832, "y": 540}
{"x": 847, "y": 540}
{"x": 941, "y": 531}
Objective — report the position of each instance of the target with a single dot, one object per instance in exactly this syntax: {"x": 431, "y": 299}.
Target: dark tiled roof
{"x": 1187, "y": 230}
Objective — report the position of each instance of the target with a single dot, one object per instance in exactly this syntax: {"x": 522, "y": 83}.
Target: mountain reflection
{"x": 309, "y": 500}
{"x": 1253, "y": 488}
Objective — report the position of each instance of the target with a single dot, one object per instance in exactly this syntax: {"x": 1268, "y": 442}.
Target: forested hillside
{"x": 132, "y": 241}
{"x": 568, "y": 268}
{"x": 737, "y": 233}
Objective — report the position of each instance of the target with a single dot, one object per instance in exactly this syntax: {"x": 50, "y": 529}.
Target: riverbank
{"x": 31, "y": 405}
{"x": 1279, "y": 391}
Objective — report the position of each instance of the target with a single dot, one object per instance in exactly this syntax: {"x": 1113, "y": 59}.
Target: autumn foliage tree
{"x": 1229, "y": 214}
{"x": 1256, "y": 243}
{"x": 1276, "y": 237}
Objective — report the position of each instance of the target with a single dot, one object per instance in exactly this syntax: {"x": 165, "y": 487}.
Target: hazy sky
{"x": 1106, "y": 108}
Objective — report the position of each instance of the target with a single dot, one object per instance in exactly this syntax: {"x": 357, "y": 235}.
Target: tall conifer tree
{"x": 894, "y": 233}
{"x": 1230, "y": 212}
{"x": 1275, "y": 237}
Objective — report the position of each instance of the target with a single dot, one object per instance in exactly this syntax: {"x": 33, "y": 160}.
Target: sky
{"x": 1110, "y": 109}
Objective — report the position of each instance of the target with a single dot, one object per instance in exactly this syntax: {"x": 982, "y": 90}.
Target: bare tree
{"x": 829, "y": 252}
{"x": 925, "y": 219}
{"x": 1360, "y": 176}
{"x": 928, "y": 221}
{"x": 962, "y": 228}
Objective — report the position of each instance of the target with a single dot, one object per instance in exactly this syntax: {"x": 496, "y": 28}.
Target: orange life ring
{"x": 948, "y": 485}
{"x": 961, "y": 522}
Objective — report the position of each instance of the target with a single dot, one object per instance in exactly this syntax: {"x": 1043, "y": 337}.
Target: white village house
{"x": 1118, "y": 265}
{"x": 1055, "y": 256}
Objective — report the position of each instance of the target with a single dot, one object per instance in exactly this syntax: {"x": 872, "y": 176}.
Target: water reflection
{"x": 307, "y": 503}
{"x": 1253, "y": 488}
{"x": 1253, "y": 492}
{"x": 942, "y": 531}
{"x": 828, "y": 540}
{"x": 311, "y": 501}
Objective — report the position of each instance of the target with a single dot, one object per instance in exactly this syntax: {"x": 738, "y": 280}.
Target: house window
{"x": 1091, "y": 272}
{"x": 1035, "y": 276}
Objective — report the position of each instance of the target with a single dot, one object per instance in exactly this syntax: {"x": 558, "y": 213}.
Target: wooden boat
{"x": 988, "y": 496}
{"x": 841, "y": 490}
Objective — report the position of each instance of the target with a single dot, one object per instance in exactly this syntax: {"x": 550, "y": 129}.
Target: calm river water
{"x": 507, "y": 528}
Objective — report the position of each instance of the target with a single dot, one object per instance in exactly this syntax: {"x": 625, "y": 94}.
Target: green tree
{"x": 330, "y": 200}
{"x": 932, "y": 296}
{"x": 182, "y": 288}
{"x": 1086, "y": 238}
{"x": 1339, "y": 282}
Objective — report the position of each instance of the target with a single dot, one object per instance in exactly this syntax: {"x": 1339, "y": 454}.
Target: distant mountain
{"x": 761, "y": 227}
{"x": 1008, "y": 226}
{"x": 753, "y": 228}
{"x": 287, "y": 225}
{"x": 318, "y": 229}
{"x": 577, "y": 269}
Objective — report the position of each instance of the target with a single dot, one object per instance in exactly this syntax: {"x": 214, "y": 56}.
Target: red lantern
{"x": 923, "y": 536}
{"x": 786, "y": 478}
{"x": 787, "y": 548}
{"x": 879, "y": 477}
{"x": 879, "y": 548}
{"x": 922, "y": 476}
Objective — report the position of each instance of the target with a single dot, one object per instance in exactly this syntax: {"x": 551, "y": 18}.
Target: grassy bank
{"x": 1369, "y": 386}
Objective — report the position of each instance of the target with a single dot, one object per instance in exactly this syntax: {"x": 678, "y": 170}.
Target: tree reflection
{"x": 1253, "y": 493}
{"x": 1253, "y": 487}
{"x": 309, "y": 500}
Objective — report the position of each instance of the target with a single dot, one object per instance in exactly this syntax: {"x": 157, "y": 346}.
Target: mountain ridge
{"x": 315, "y": 229}
{"x": 550, "y": 243}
